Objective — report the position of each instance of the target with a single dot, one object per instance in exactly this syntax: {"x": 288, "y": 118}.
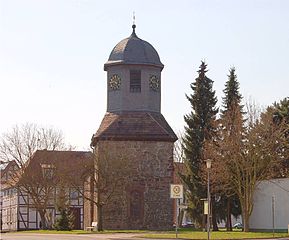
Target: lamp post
{"x": 209, "y": 164}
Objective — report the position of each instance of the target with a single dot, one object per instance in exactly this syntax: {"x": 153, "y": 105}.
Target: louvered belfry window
{"x": 135, "y": 80}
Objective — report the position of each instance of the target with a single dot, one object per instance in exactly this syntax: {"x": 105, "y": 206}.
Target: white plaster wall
{"x": 261, "y": 217}
{"x": 9, "y": 213}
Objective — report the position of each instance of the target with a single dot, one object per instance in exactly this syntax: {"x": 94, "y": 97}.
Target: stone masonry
{"x": 144, "y": 173}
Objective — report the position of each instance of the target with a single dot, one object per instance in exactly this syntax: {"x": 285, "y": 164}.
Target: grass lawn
{"x": 82, "y": 231}
{"x": 182, "y": 233}
{"x": 192, "y": 234}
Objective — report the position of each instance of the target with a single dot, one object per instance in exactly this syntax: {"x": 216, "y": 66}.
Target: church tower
{"x": 134, "y": 143}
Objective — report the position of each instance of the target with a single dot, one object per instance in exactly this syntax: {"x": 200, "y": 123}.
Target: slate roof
{"x": 133, "y": 50}
{"x": 138, "y": 126}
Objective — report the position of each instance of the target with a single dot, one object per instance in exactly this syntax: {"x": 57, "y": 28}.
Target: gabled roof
{"x": 61, "y": 160}
{"x": 65, "y": 163}
{"x": 10, "y": 168}
{"x": 138, "y": 126}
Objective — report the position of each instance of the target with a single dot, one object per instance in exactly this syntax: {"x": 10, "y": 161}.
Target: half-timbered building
{"x": 47, "y": 176}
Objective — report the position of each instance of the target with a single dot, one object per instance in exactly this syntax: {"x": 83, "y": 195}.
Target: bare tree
{"x": 103, "y": 179}
{"x": 20, "y": 145}
{"x": 249, "y": 156}
{"x": 22, "y": 141}
{"x": 178, "y": 148}
{"x": 253, "y": 112}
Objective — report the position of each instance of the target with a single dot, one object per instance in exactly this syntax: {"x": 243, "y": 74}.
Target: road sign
{"x": 177, "y": 191}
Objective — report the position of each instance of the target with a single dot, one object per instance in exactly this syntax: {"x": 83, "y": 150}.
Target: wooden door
{"x": 77, "y": 221}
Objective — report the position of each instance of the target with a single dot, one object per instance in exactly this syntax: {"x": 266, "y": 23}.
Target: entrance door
{"x": 77, "y": 221}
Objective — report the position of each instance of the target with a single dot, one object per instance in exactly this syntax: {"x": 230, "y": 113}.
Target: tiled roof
{"x": 139, "y": 126}
{"x": 67, "y": 163}
{"x": 64, "y": 159}
{"x": 72, "y": 162}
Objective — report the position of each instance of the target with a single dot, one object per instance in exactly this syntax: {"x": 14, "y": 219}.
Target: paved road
{"x": 115, "y": 236}
{"x": 33, "y": 236}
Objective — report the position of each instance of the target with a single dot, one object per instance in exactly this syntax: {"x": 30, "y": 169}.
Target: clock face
{"x": 154, "y": 83}
{"x": 114, "y": 82}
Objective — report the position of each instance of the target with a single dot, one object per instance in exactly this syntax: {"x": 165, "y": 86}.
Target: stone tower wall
{"x": 136, "y": 177}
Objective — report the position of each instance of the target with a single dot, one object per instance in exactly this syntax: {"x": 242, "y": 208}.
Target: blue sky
{"x": 52, "y": 54}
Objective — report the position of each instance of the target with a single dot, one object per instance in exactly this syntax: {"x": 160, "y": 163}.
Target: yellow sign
{"x": 177, "y": 191}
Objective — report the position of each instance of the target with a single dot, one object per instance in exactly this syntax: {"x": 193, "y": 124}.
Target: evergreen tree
{"x": 200, "y": 126}
{"x": 66, "y": 219}
{"x": 232, "y": 126}
{"x": 280, "y": 115}
{"x": 281, "y": 111}
{"x": 232, "y": 95}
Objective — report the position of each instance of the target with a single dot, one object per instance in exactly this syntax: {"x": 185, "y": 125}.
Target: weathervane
{"x": 133, "y": 18}
{"x": 133, "y": 24}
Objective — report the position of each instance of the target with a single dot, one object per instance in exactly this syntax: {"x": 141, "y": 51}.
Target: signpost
{"x": 177, "y": 192}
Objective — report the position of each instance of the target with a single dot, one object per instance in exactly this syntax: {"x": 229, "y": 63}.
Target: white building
{"x": 271, "y": 206}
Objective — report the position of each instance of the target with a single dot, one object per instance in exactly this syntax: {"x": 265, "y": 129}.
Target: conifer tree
{"x": 200, "y": 126}
{"x": 66, "y": 219}
{"x": 232, "y": 95}
{"x": 232, "y": 121}
{"x": 280, "y": 116}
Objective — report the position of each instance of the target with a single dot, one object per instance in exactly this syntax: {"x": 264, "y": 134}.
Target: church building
{"x": 134, "y": 143}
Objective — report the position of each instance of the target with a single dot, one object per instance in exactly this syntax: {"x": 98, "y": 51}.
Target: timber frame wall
{"x": 18, "y": 212}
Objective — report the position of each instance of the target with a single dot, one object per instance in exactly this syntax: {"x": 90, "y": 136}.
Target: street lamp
{"x": 209, "y": 165}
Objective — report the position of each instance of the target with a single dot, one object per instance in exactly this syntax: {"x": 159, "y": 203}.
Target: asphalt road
{"x": 35, "y": 236}
{"x": 115, "y": 236}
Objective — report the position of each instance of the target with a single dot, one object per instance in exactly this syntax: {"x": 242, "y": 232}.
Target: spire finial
{"x": 133, "y": 23}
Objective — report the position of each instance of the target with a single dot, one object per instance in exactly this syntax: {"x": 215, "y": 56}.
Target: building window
{"x": 48, "y": 171}
{"x": 73, "y": 195}
{"x": 135, "y": 81}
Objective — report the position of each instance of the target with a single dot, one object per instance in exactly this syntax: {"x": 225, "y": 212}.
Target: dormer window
{"x": 135, "y": 80}
{"x": 48, "y": 171}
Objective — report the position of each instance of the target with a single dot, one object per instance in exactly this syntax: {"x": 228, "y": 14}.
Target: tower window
{"x": 135, "y": 81}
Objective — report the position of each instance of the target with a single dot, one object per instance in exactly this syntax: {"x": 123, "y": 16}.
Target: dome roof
{"x": 133, "y": 50}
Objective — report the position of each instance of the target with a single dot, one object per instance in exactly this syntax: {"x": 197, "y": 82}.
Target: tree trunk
{"x": 214, "y": 217}
{"x": 43, "y": 222}
{"x": 245, "y": 215}
{"x": 229, "y": 219}
{"x": 99, "y": 218}
{"x": 246, "y": 221}
{"x": 215, "y": 224}
{"x": 203, "y": 222}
